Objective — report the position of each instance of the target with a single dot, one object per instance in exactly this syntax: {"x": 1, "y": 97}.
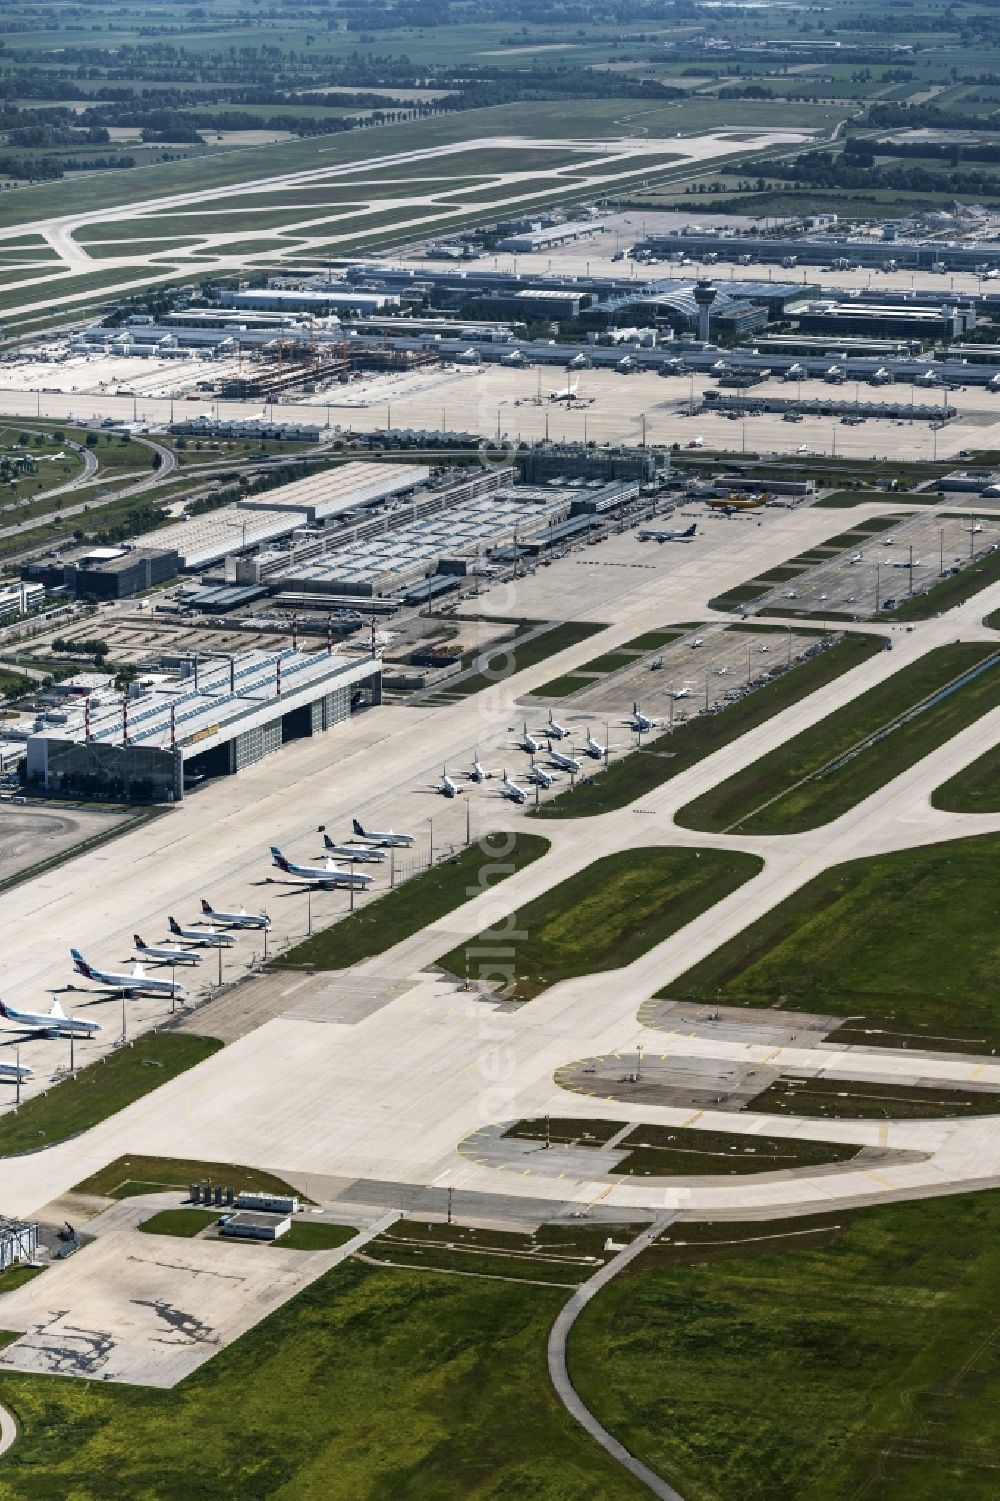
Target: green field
{"x": 502, "y": 662}
{"x": 673, "y": 1151}
{"x": 905, "y": 947}
{"x": 848, "y": 1356}
{"x": 129, "y": 1177}
{"x": 604, "y": 917}
{"x": 374, "y": 1382}
{"x": 388, "y": 919}
{"x": 952, "y": 591}
{"x": 101, "y": 1089}
{"x": 626, "y": 780}
{"x": 974, "y": 789}
{"x": 621, "y": 656}
{"x": 833, "y": 765}
{"x": 306, "y": 1235}
{"x": 183, "y": 1223}
{"x": 859, "y": 1099}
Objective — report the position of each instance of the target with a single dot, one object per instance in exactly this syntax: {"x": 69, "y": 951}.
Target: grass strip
{"x": 629, "y": 779}
{"x": 603, "y": 917}
{"x": 398, "y": 914}
{"x": 101, "y": 1089}
{"x": 834, "y": 764}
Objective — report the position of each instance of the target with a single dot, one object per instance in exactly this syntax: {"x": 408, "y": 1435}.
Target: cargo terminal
{"x": 209, "y": 718}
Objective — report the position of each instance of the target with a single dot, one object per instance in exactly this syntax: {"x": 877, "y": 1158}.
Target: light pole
{"x": 749, "y": 655}
{"x": 309, "y": 911}
{"x": 219, "y": 952}
{"x": 17, "y": 1081}
{"x": 941, "y": 551}
{"x": 173, "y": 986}
{"x": 392, "y": 867}
{"x": 431, "y": 822}
{"x": 878, "y": 586}
{"x": 124, "y": 1022}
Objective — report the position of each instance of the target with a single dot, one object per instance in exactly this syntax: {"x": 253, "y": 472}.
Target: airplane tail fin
{"x": 82, "y": 966}
{"x": 692, "y": 530}
{"x": 206, "y": 909}
{"x": 137, "y": 941}
{"x": 174, "y": 926}
{"x": 5, "y": 1011}
{"x": 278, "y": 858}
{"x": 357, "y": 827}
{"x": 57, "y": 1010}
{"x": 328, "y": 842}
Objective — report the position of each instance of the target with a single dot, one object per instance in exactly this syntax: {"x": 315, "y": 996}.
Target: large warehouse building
{"x": 213, "y": 719}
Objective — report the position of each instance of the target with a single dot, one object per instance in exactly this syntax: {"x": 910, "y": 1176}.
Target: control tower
{"x": 704, "y": 295}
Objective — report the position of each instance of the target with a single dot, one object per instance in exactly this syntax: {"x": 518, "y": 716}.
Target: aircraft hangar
{"x": 212, "y": 718}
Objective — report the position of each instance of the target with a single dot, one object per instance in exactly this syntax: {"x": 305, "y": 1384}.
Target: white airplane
{"x": 698, "y": 641}
{"x": 564, "y": 762}
{"x": 54, "y": 1023}
{"x": 578, "y": 362}
{"x": 514, "y": 358}
{"x": 327, "y": 875}
{"x": 834, "y": 375}
{"x": 512, "y": 790}
{"x": 803, "y": 448}
{"x": 240, "y": 919}
{"x": 567, "y": 393}
{"x": 381, "y": 836}
{"x": 655, "y": 535}
{"x": 905, "y": 563}
{"x": 205, "y": 938}
{"x": 698, "y": 442}
{"x": 592, "y": 748}
{"x": 881, "y": 376}
{"x": 137, "y": 983}
{"x": 446, "y": 786}
{"x": 639, "y": 721}
{"x": 357, "y": 853}
{"x": 976, "y": 526}
{"x": 479, "y": 772}
{"x": 536, "y": 773}
{"x": 858, "y": 557}
{"x": 684, "y": 691}
{"x": 14, "y": 1071}
{"x": 529, "y": 743}
{"x": 166, "y": 954}
{"x": 554, "y": 730}
{"x": 928, "y": 378}
{"x": 795, "y": 372}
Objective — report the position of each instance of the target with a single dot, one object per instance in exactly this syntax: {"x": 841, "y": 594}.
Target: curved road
{"x": 559, "y": 1375}
{"x": 8, "y": 1430}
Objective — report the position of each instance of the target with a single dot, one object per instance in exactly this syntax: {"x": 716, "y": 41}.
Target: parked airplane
{"x": 566, "y": 393}
{"x": 538, "y": 774}
{"x": 446, "y": 786}
{"x": 657, "y": 535}
{"x": 591, "y": 747}
{"x": 479, "y": 772}
{"x": 327, "y": 875}
{"x": 512, "y": 790}
{"x": 137, "y": 983}
{"x": 698, "y": 442}
{"x": 976, "y": 526}
{"x": 564, "y": 762}
{"x": 54, "y": 1023}
{"x": 834, "y": 375}
{"x": 165, "y": 954}
{"x": 14, "y": 1071}
{"x": 639, "y": 721}
{"x": 529, "y": 743}
{"x": 905, "y": 563}
{"x": 240, "y": 919}
{"x": 359, "y": 854}
{"x": 683, "y": 692}
{"x": 205, "y": 938}
{"x": 381, "y": 836}
{"x": 554, "y": 730}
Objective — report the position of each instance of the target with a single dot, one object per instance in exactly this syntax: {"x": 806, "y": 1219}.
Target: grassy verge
{"x": 904, "y": 947}
{"x": 582, "y": 1132}
{"x": 438, "y": 1392}
{"x": 821, "y": 1360}
{"x": 949, "y": 592}
{"x": 671, "y": 1151}
{"x": 495, "y": 666}
{"x": 605, "y": 916}
{"x": 127, "y": 1177}
{"x": 307, "y": 1236}
{"x": 974, "y": 789}
{"x": 822, "y": 772}
{"x": 621, "y": 656}
{"x": 399, "y": 914}
{"x": 184, "y": 1223}
{"x": 631, "y": 778}
{"x": 17, "y": 1276}
{"x": 860, "y": 1099}
{"x": 101, "y": 1089}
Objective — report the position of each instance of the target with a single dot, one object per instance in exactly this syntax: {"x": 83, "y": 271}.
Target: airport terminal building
{"x": 214, "y": 718}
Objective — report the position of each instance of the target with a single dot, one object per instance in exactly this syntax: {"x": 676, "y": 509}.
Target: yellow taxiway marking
{"x": 977, "y": 1071}
{"x": 692, "y": 1118}
{"x": 882, "y": 1182}
{"x": 883, "y": 1134}
{"x": 772, "y": 1054}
